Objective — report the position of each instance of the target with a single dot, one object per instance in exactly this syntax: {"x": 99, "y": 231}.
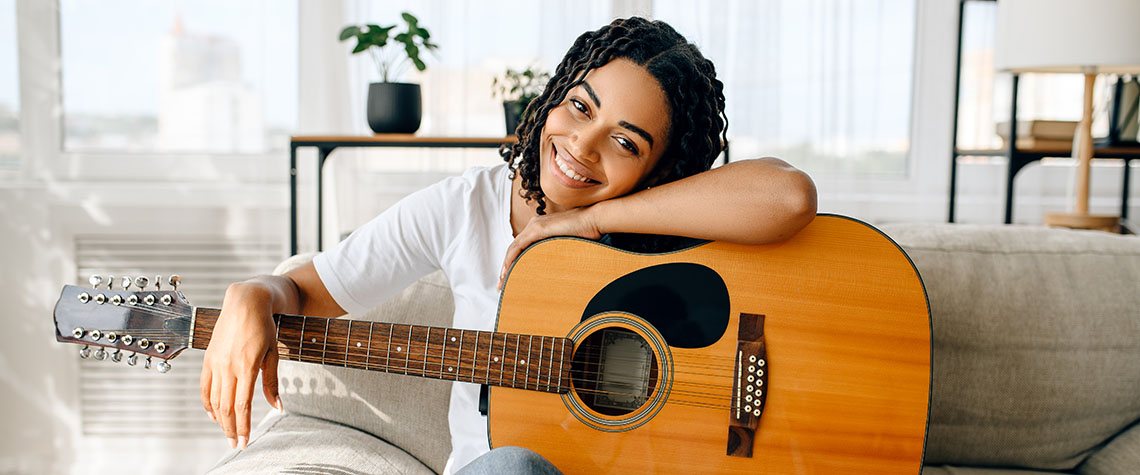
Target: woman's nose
{"x": 585, "y": 143}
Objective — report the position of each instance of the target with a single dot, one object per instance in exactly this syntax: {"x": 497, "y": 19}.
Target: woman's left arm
{"x": 746, "y": 202}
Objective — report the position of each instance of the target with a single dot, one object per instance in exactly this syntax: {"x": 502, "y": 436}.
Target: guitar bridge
{"x": 749, "y": 386}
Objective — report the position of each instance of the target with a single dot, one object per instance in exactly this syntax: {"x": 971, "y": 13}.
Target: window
{"x": 984, "y": 94}
{"x": 9, "y": 88}
{"x": 209, "y": 76}
{"x": 824, "y": 84}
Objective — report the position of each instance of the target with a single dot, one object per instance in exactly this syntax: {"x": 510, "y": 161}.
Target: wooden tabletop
{"x": 402, "y": 138}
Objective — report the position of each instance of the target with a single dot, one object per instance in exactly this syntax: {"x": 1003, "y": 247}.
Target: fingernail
{"x": 233, "y": 443}
{"x": 279, "y": 403}
{"x": 242, "y": 441}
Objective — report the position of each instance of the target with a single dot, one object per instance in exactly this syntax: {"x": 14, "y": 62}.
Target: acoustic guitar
{"x": 807, "y": 356}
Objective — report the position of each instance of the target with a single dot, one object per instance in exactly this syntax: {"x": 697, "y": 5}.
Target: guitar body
{"x": 845, "y": 330}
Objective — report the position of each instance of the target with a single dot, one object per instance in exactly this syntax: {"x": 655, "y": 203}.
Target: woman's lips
{"x": 568, "y": 172}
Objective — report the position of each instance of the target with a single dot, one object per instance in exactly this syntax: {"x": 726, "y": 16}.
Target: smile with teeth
{"x": 569, "y": 172}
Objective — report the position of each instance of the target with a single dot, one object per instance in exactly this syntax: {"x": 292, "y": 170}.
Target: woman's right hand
{"x": 244, "y": 341}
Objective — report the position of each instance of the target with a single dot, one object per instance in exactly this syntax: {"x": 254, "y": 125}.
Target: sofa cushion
{"x": 1121, "y": 455}
{"x": 407, "y": 411}
{"x": 1036, "y": 339}
{"x": 287, "y": 443}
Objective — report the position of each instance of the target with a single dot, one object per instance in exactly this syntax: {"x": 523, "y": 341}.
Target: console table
{"x": 325, "y": 144}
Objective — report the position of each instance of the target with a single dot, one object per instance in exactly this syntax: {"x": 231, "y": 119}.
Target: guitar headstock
{"x": 155, "y": 323}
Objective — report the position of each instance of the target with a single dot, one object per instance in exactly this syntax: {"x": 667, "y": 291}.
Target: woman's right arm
{"x": 244, "y": 342}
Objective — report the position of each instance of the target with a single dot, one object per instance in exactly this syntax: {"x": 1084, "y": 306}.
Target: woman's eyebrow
{"x": 637, "y": 130}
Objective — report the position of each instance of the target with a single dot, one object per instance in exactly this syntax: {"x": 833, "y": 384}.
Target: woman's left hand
{"x": 579, "y": 222}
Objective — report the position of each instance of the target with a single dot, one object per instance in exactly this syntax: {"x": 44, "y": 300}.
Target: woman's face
{"x": 605, "y": 137}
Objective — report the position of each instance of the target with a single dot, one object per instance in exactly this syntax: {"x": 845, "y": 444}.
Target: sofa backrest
{"x": 1036, "y": 341}
{"x": 406, "y": 411}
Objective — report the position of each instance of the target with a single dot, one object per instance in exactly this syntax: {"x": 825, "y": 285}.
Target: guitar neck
{"x": 539, "y": 363}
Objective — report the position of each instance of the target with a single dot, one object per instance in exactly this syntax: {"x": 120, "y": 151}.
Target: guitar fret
{"x": 562, "y": 356}
{"x": 529, "y": 344}
{"x": 503, "y": 360}
{"x": 459, "y": 359}
{"x": 301, "y": 340}
{"x": 490, "y": 349}
{"x": 541, "y": 345}
{"x": 408, "y": 349}
{"x": 368, "y": 353}
{"x": 474, "y": 355}
{"x": 427, "y": 338}
{"x": 443, "y": 357}
{"x": 347, "y": 342}
{"x": 550, "y": 366}
{"x": 325, "y": 344}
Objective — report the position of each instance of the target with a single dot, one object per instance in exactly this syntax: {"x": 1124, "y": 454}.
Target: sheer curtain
{"x": 824, "y": 84}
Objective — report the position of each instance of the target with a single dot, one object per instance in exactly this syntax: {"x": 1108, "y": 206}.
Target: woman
{"x": 618, "y": 145}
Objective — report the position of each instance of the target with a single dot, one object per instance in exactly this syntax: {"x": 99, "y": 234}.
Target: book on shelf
{"x": 1034, "y": 143}
{"x": 1041, "y": 129}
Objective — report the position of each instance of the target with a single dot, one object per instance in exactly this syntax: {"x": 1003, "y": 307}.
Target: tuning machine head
{"x": 141, "y": 282}
{"x": 95, "y": 280}
{"x": 174, "y": 281}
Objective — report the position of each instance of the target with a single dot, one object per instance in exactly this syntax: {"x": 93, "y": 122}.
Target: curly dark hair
{"x": 698, "y": 125}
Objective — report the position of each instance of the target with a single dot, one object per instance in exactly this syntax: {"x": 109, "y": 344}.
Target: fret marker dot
{"x": 452, "y": 338}
{"x": 449, "y": 369}
{"x": 496, "y": 358}
{"x": 399, "y": 349}
{"x": 358, "y": 344}
{"x": 522, "y": 361}
{"x": 314, "y": 340}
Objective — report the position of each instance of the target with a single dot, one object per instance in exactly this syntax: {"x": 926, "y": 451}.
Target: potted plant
{"x": 393, "y": 107}
{"x": 517, "y": 89}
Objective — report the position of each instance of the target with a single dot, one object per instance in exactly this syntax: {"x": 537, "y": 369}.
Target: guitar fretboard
{"x": 539, "y": 363}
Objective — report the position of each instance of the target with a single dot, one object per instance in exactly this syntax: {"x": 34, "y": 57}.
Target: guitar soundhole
{"x": 614, "y": 371}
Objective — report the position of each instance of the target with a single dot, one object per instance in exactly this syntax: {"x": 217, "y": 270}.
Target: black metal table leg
{"x": 292, "y": 199}
{"x": 322, "y": 155}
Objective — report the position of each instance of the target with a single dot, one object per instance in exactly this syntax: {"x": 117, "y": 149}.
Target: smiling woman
{"x": 621, "y": 141}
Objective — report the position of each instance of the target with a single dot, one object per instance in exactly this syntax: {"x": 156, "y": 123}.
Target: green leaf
{"x": 410, "y": 19}
{"x": 419, "y": 64}
{"x": 360, "y": 46}
{"x": 349, "y": 32}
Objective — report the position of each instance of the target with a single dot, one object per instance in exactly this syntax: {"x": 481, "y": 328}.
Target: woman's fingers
{"x": 225, "y": 409}
{"x": 269, "y": 378}
{"x": 242, "y": 400}
{"x": 204, "y": 387}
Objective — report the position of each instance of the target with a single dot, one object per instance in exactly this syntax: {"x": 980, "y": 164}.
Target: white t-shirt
{"x": 461, "y": 225}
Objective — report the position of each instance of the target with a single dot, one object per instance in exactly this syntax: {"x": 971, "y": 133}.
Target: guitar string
{"x": 429, "y": 373}
{"x": 440, "y": 359}
{"x": 159, "y": 311}
{"x": 414, "y": 349}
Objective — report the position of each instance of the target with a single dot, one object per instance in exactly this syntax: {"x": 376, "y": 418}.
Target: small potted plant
{"x": 517, "y": 89}
{"x": 393, "y": 107}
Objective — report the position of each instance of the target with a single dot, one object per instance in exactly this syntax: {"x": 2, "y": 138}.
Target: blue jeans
{"x": 509, "y": 460}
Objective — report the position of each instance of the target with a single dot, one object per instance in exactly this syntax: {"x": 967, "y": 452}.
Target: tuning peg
{"x": 85, "y": 352}
{"x": 126, "y": 282}
{"x": 95, "y": 280}
{"x": 175, "y": 281}
{"x": 163, "y": 366}
{"x": 117, "y": 356}
{"x": 141, "y": 282}
{"x": 133, "y": 359}
{"x": 110, "y": 282}
{"x": 146, "y": 364}
{"x": 157, "y": 282}
{"x": 100, "y": 354}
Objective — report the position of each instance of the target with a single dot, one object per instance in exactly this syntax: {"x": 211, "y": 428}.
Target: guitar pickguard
{"x": 687, "y": 303}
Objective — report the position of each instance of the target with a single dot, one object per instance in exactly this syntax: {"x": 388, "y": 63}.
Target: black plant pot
{"x": 513, "y": 112}
{"x": 394, "y": 107}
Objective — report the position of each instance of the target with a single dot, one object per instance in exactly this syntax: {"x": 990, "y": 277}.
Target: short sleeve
{"x": 402, "y": 244}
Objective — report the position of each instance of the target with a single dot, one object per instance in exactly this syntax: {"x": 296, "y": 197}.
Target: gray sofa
{"x": 1036, "y": 366}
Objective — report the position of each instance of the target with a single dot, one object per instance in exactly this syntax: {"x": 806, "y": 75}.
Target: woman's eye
{"x": 580, "y": 106}
{"x": 627, "y": 144}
